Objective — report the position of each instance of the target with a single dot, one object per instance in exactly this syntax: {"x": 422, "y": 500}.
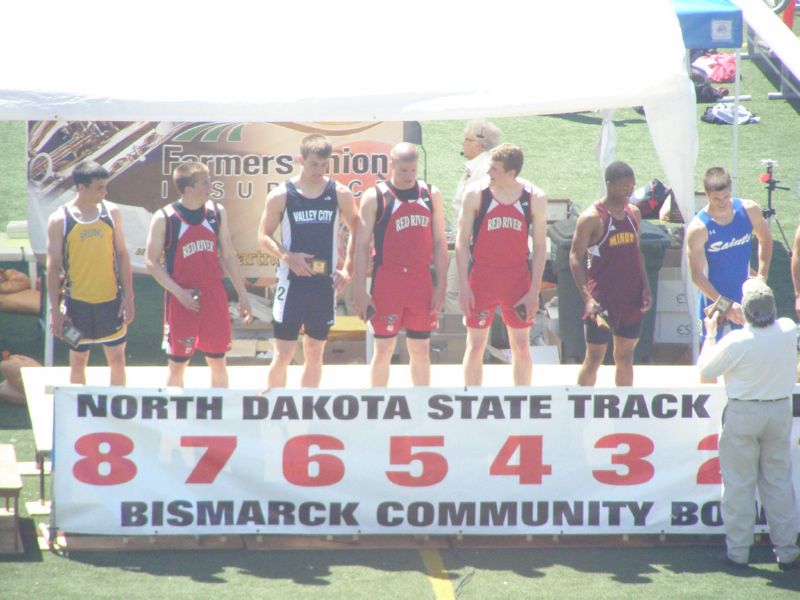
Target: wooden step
{"x": 10, "y": 488}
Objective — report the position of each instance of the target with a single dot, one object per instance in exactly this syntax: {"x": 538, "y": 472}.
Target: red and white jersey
{"x": 500, "y": 231}
{"x": 404, "y": 226}
{"x": 190, "y": 247}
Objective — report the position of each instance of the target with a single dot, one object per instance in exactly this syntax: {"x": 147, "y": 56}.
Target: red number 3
{"x": 120, "y": 469}
{"x": 639, "y": 470}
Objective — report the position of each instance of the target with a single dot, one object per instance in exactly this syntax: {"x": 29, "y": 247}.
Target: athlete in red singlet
{"x": 495, "y": 265}
{"x": 406, "y": 218}
{"x": 615, "y": 287}
{"x": 188, "y": 246}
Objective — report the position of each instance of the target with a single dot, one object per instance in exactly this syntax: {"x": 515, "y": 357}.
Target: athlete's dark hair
{"x": 716, "y": 179}
{"x": 618, "y": 170}
{"x": 88, "y": 171}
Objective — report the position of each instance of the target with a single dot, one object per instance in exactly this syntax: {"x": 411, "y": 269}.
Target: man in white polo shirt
{"x": 480, "y": 136}
{"x": 758, "y": 365}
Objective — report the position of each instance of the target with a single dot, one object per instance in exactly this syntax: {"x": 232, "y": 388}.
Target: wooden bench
{"x": 10, "y": 488}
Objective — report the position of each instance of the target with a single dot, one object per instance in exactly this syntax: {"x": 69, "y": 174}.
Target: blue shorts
{"x": 303, "y": 302}
{"x": 98, "y": 323}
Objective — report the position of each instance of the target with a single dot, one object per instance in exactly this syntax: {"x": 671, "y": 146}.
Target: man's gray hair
{"x": 488, "y": 134}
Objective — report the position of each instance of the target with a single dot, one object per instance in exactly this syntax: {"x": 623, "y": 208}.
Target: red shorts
{"x": 209, "y": 330}
{"x": 402, "y": 298}
{"x": 491, "y": 286}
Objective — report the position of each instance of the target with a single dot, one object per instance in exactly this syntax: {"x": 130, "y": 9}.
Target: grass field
{"x": 560, "y": 158}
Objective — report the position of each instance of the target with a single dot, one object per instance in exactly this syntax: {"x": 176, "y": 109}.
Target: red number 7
{"x": 220, "y": 448}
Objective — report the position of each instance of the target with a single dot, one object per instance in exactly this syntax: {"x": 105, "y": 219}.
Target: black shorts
{"x": 306, "y": 302}
{"x": 595, "y": 334}
{"x": 98, "y": 323}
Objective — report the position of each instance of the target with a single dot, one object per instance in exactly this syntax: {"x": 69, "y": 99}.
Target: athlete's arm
{"x": 538, "y": 210}
{"x": 156, "y": 239}
{"x": 696, "y": 238}
{"x": 347, "y": 208}
{"x": 763, "y": 235}
{"x": 647, "y": 293}
{"x": 796, "y": 270}
{"x": 230, "y": 262}
{"x": 587, "y": 231}
{"x": 365, "y": 227}
{"x": 127, "y": 308}
{"x": 270, "y": 219}
{"x": 439, "y": 252}
{"x": 466, "y": 221}
{"x": 55, "y": 262}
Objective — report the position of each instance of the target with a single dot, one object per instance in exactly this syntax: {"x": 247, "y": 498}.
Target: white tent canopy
{"x": 352, "y": 60}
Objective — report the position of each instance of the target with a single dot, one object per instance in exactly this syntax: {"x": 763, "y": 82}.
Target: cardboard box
{"x": 345, "y": 352}
{"x": 673, "y": 328}
{"x": 452, "y": 323}
{"x": 557, "y": 209}
{"x": 672, "y": 258}
{"x": 671, "y": 296}
{"x": 445, "y": 348}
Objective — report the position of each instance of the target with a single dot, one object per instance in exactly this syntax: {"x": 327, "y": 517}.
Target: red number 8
{"x": 121, "y": 470}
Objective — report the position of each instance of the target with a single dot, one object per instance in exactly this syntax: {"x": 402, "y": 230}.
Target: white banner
{"x": 497, "y": 461}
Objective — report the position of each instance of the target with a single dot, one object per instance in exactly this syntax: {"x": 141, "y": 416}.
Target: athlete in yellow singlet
{"x": 89, "y": 280}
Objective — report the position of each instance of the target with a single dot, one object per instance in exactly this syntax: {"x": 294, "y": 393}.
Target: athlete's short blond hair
{"x": 510, "y": 155}
{"x": 315, "y": 144}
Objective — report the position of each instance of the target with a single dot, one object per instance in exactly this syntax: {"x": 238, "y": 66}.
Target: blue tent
{"x": 714, "y": 24}
{"x": 709, "y": 23}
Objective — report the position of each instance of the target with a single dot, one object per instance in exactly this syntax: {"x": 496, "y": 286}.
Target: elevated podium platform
{"x": 40, "y": 381}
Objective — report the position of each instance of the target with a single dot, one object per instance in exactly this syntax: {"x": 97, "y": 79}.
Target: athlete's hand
{"x": 438, "y": 298}
{"x": 711, "y": 326}
{"x": 245, "y": 313}
{"x": 340, "y": 279}
{"x": 127, "y": 309}
{"x": 186, "y": 297}
{"x": 362, "y": 302}
{"x": 57, "y": 319}
{"x": 647, "y": 299}
{"x": 298, "y": 263}
{"x": 735, "y": 314}
{"x": 797, "y": 305}
{"x": 466, "y": 300}
{"x": 592, "y": 309}
{"x": 531, "y": 302}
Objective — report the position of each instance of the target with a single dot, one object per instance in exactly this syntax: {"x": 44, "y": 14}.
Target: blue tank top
{"x": 728, "y": 252}
{"x": 309, "y": 225}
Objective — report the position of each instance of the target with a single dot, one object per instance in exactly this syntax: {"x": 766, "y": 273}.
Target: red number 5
{"x": 434, "y": 466}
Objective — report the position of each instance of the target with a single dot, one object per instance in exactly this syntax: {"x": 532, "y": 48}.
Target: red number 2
{"x": 709, "y": 470}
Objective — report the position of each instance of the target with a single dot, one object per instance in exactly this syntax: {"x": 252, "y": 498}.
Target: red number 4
{"x": 530, "y": 467}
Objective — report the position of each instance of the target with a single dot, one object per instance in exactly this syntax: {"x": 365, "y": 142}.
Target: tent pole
{"x": 736, "y": 81}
